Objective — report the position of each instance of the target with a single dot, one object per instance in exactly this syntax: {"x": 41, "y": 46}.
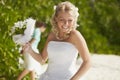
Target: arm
{"x": 81, "y": 45}
{"x": 32, "y": 40}
{"x": 42, "y": 58}
{"x": 36, "y": 35}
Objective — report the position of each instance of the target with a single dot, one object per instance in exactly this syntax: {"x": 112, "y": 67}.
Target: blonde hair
{"x": 64, "y": 7}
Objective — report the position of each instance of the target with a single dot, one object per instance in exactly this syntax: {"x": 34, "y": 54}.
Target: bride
{"x": 62, "y": 46}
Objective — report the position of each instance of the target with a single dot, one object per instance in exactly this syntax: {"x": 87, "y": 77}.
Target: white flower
{"x": 19, "y": 24}
{"x": 55, "y": 7}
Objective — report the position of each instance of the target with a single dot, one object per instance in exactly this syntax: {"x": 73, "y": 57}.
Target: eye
{"x": 61, "y": 19}
{"x": 70, "y": 20}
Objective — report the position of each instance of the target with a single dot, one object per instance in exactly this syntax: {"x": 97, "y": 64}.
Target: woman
{"x": 62, "y": 46}
{"x": 31, "y": 65}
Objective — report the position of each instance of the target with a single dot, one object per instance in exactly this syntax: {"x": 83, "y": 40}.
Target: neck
{"x": 62, "y": 36}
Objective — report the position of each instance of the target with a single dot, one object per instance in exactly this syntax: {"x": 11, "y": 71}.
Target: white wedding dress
{"x": 62, "y": 61}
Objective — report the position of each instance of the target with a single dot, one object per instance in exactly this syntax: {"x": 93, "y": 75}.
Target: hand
{"x": 26, "y": 48}
{"x": 73, "y": 78}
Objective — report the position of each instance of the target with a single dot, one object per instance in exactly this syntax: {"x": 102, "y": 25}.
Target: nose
{"x": 66, "y": 23}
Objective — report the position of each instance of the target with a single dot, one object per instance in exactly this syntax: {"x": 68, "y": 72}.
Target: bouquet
{"x": 22, "y": 31}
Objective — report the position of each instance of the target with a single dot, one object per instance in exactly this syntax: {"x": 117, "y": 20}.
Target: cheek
{"x": 59, "y": 25}
{"x": 72, "y": 24}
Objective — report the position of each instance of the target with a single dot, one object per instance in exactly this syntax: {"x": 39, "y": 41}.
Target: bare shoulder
{"x": 50, "y": 36}
{"x": 76, "y": 36}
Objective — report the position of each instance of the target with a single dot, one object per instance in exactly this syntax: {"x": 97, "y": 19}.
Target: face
{"x": 65, "y": 21}
{"x": 42, "y": 29}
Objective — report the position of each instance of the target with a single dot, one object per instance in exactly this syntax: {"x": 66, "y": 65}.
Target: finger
{"x": 25, "y": 47}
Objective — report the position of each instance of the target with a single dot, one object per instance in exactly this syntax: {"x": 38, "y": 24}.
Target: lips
{"x": 65, "y": 28}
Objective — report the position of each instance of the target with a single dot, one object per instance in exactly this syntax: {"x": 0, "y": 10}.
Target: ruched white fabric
{"x": 62, "y": 61}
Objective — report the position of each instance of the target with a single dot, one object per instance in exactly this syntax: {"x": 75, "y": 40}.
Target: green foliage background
{"x": 99, "y": 22}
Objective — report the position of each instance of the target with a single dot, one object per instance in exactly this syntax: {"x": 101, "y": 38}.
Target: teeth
{"x": 65, "y": 27}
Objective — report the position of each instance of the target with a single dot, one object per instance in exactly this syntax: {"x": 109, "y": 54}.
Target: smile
{"x": 65, "y": 27}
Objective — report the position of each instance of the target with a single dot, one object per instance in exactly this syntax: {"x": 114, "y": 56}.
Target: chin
{"x": 64, "y": 31}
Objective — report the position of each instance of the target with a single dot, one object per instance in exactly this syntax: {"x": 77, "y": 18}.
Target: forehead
{"x": 65, "y": 15}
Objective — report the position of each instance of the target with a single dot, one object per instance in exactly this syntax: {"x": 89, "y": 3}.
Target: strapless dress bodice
{"x": 61, "y": 61}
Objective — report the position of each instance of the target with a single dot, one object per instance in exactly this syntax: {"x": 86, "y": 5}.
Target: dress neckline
{"x": 63, "y": 42}
{"x": 67, "y": 43}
